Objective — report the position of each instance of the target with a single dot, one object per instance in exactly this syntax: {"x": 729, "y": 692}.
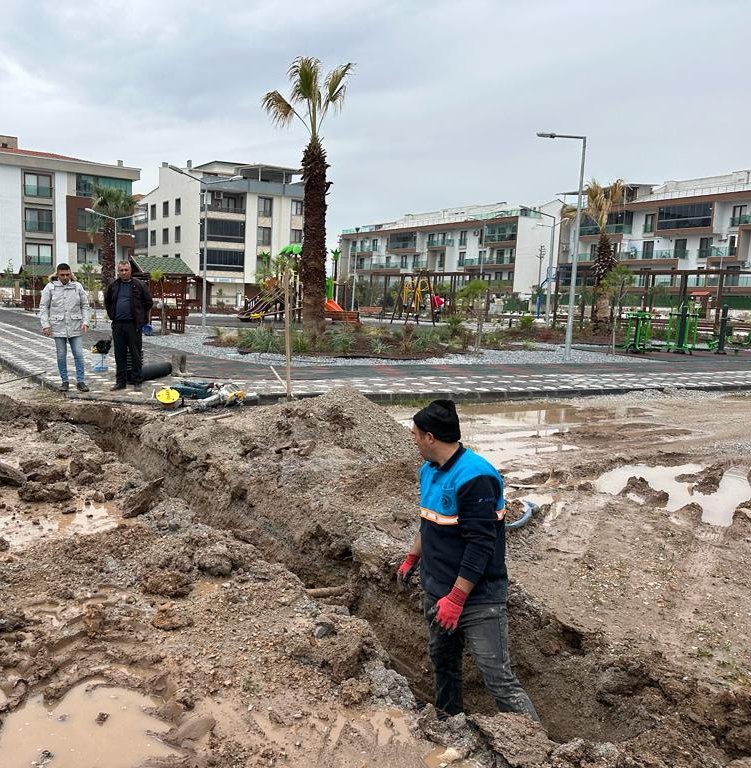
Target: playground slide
{"x": 331, "y": 306}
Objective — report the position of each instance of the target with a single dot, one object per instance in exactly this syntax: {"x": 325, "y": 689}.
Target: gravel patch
{"x": 192, "y": 342}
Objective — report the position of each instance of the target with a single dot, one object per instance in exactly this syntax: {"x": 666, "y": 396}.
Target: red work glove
{"x": 407, "y": 569}
{"x": 450, "y": 609}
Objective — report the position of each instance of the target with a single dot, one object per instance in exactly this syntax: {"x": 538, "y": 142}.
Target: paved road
{"x": 24, "y": 349}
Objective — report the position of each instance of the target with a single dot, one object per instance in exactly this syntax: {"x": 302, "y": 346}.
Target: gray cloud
{"x": 442, "y": 110}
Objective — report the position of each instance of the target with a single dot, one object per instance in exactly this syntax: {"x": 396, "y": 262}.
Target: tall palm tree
{"x": 311, "y": 98}
{"x": 116, "y": 203}
{"x": 600, "y": 203}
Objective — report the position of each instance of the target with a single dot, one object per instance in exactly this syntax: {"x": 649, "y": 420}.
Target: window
{"x": 165, "y": 255}
{"x": 224, "y": 260}
{"x": 177, "y": 234}
{"x": 405, "y": 240}
{"x": 177, "y": 255}
{"x": 498, "y": 276}
{"x": 679, "y": 248}
{"x": 649, "y": 222}
{"x": 38, "y": 220}
{"x": 142, "y": 238}
{"x": 37, "y": 185}
{"x": 295, "y": 236}
{"x": 87, "y": 254}
{"x": 297, "y": 207}
{"x": 38, "y": 253}
{"x": 225, "y": 230}
{"x": 442, "y": 261}
{"x": 463, "y": 237}
{"x": 462, "y": 256}
{"x": 648, "y": 249}
{"x": 264, "y": 236}
{"x": 178, "y": 206}
{"x": 165, "y": 209}
{"x": 153, "y": 212}
{"x": 592, "y": 251}
{"x": 684, "y": 216}
{"x": 360, "y": 263}
{"x": 85, "y": 184}
{"x": 402, "y": 262}
{"x": 739, "y": 212}
{"x": 152, "y": 237}
{"x": 705, "y": 247}
{"x": 265, "y": 206}
{"x": 165, "y": 236}
{"x": 374, "y": 245}
{"x": 84, "y": 220}
{"x": 731, "y": 246}
{"x": 497, "y": 232}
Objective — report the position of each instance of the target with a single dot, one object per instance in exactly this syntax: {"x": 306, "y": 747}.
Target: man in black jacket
{"x": 128, "y": 303}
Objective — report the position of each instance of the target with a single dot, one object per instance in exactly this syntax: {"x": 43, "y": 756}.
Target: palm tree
{"x": 313, "y": 95}
{"x": 600, "y": 202}
{"x": 116, "y": 203}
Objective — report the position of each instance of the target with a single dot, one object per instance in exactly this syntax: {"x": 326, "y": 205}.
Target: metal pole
{"x": 114, "y": 223}
{"x": 550, "y": 270}
{"x": 572, "y": 288}
{"x": 202, "y": 190}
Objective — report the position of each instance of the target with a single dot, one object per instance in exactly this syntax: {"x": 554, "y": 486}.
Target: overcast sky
{"x": 443, "y": 107}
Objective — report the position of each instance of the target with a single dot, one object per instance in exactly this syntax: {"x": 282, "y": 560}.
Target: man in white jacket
{"x": 64, "y": 314}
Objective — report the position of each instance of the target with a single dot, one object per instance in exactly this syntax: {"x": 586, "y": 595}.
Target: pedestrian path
{"x": 26, "y": 351}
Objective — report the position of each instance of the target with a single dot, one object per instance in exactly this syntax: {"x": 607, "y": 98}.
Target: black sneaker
{"x": 117, "y": 386}
{"x": 65, "y": 386}
{"x": 81, "y": 387}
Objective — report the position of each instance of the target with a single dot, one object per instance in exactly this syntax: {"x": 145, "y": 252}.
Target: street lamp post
{"x": 203, "y": 188}
{"x": 354, "y": 271}
{"x": 577, "y": 227}
{"x": 114, "y": 220}
{"x": 552, "y": 226}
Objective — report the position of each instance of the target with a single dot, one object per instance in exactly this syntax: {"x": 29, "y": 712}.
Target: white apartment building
{"x": 43, "y": 197}
{"x": 257, "y": 214}
{"x": 499, "y": 242}
{"x": 690, "y": 224}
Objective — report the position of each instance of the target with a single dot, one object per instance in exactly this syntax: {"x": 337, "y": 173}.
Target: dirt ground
{"x": 231, "y": 581}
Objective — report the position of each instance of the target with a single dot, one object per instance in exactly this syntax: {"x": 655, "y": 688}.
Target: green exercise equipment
{"x": 683, "y": 325}
{"x": 638, "y": 331}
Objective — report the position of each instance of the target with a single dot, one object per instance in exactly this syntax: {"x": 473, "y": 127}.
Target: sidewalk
{"x": 25, "y": 350}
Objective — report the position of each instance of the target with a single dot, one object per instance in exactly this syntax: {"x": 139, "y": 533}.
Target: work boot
{"x": 117, "y": 386}
{"x": 81, "y": 386}
{"x": 137, "y": 386}
{"x": 65, "y": 386}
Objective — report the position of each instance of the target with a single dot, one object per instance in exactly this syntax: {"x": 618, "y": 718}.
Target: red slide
{"x": 331, "y": 306}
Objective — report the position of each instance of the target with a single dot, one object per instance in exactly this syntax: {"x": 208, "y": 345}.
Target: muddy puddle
{"x": 20, "y": 529}
{"x": 94, "y": 724}
{"x": 717, "y": 508}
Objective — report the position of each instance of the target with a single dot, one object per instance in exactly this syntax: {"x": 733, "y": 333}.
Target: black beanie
{"x": 440, "y": 419}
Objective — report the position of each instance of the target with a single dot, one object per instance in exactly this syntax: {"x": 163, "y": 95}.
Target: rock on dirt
{"x": 167, "y": 583}
{"x": 11, "y": 476}
{"x": 167, "y": 617}
{"x": 38, "y": 491}
{"x": 142, "y": 498}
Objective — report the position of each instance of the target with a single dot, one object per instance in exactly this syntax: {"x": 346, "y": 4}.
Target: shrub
{"x": 339, "y": 340}
{"x": 379, "y": 346}
{"x": 260, "y": 340}
{"x": 301, "y": 342}
{"x": 526, "y": 322}
{"x": 454, "y": 323}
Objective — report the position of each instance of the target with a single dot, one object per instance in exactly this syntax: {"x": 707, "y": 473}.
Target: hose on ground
{"x": 529, "y": 509}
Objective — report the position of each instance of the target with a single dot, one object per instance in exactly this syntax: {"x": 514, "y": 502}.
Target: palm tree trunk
{"x": 604, "y": 263}
{"x": 108, "y": 252}
{"x": 313, "y": 258}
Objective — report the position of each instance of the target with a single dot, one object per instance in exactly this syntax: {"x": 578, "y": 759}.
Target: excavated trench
{"x": 581, "y": 687}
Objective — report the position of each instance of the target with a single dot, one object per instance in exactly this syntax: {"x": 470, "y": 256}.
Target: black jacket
{"x": 140, "y": 300}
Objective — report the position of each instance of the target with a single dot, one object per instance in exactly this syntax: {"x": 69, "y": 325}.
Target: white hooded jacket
{"x": 64, "y": 308}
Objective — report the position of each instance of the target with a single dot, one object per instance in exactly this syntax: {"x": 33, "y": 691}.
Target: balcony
{"x": 500, "y": 235}
{"x": 33, "y": 190}
{"x": 219, "y": 208}
{"x": 491, "y": 262}
{"x": 712, "y": 252}
{"x": 611, "y": 229}
{"x": 38, "y": 226}
{"x": 366, "y": 249}
{"x": 736, "y": 221}
{"x": 416, "y": 264}
{"x": 443, "y": 243}
{"x": 383, "y": 262}
{"x": 670, "y": 254}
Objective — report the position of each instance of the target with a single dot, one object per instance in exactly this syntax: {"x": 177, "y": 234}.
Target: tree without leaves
{"x": 311, "y": 98}
{"x": 615, "y": 286}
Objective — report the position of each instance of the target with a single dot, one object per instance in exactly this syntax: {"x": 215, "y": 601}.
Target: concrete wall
{"x": 61, "y": 252}
{"x": 11, "y": 217}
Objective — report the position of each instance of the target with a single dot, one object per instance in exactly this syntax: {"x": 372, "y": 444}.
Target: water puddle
{"x": 93, "y": 725}
{"x": 21, "y": 530}
{"x": 717, "y": 507}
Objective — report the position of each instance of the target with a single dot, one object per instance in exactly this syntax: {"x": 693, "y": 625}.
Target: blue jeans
{"x": 76, "y": 347}
{"x": 483, "y": 629}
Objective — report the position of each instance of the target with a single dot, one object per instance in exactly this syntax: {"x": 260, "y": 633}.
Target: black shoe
{"x": 65, "y": 386}
{"x": 81, "y": 387}
{"x": 137, "y": 386}
{"x": 117, "y": 386}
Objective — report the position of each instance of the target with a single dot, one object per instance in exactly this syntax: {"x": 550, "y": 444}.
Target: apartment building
{"x": 43, "y": 201}
{"x": 690, "y": 224}
{"x": 499, "y": 242}
{"x": 251, "y": 211}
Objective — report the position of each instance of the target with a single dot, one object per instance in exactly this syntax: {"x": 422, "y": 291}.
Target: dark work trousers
{"x": 126, "y": 337}
{"x": 483, "y": 629}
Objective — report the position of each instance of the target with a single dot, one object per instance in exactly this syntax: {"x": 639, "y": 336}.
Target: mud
{"x": 252, "y": 597}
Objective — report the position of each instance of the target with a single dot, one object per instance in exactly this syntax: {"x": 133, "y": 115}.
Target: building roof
{"x": 170, "y": 265}
{"x": 37, "y": 270}
{"x": 33, "y": 153}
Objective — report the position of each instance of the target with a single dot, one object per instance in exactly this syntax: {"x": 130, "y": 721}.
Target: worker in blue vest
{"x": 461, "y": 549}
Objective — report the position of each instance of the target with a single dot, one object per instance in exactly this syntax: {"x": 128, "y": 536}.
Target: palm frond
{"x": 278, "y": 108}
{"x": 336, "y": 86}
{"x": 304, "y": 74}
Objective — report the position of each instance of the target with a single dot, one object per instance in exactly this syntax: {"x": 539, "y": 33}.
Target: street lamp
{"x": 577, "y": 226}
{"x": 354, "y": 272}
{"x": 204, "y": 186}
{"x": 114, "y": 220}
